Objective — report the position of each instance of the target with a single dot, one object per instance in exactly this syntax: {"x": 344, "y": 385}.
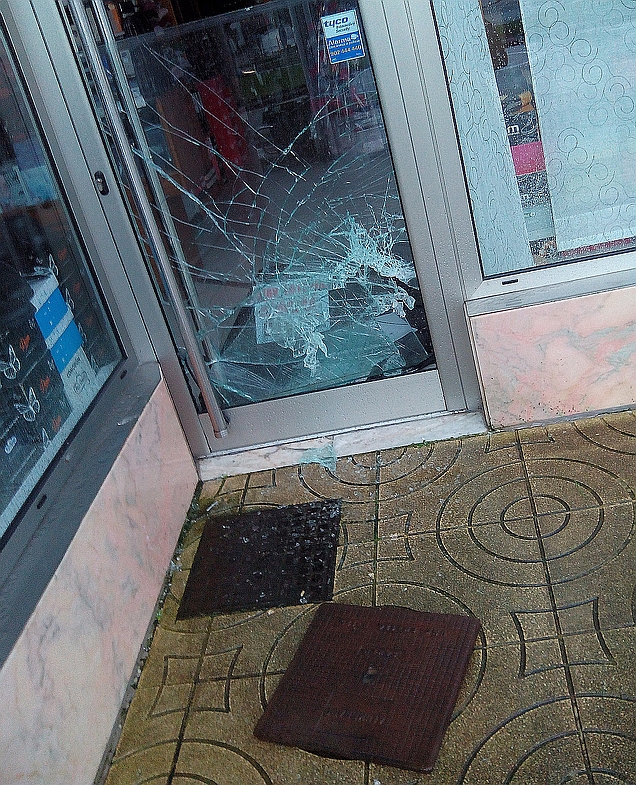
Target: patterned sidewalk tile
{"x": 221, "y": 746}
{"x": 531, "y": 531}
{"x": 605, "y": 448}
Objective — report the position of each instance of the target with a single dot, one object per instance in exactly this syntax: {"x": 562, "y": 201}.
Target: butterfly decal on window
{"x": 10, "y": 369}
{"x": 31, "y": 409}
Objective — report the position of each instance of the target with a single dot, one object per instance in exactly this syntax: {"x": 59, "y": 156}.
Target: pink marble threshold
{"x": 326, "y": 449}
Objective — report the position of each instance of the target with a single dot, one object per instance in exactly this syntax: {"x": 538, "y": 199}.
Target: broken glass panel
{"x": 263, "y": 130}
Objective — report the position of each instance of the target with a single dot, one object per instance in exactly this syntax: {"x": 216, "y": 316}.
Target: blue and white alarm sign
{"x": 342, "y": 33}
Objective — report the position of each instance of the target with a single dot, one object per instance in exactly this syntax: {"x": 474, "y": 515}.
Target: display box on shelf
{"x": 64, "y": 341}
{"x": 18, "y": 454}
{"x": 20, "y": 346}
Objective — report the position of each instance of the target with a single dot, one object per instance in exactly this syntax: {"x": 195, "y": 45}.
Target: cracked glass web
{"x": 279, "y": 200}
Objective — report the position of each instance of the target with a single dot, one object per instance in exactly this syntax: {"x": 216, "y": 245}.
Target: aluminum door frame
{"x": 418, "y": 118}
{"x": 397, "y": 62}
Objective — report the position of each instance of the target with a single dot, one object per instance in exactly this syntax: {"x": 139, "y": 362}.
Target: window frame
{"x": 415, "y": 46}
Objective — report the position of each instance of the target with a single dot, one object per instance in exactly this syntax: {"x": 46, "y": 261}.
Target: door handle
{"x": 100, "y": 182}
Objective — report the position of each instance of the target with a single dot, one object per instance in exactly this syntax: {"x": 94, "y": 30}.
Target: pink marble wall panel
{"x": 64, "y": 681}
{"x": 557, "y": 359}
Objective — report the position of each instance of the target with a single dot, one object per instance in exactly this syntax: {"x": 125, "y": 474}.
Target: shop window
{"x": 57, "y": 348}
{"x": 544, "y": 95}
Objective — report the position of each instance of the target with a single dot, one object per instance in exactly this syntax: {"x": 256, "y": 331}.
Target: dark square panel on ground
{"x": 264, "y": 559}
{"x": 374, "y": 684}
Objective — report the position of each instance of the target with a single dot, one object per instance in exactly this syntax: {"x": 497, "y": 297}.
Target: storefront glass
{"x": 56, "y": 346}
{"x": 263, "y": 131}
{"x": 547, "y": 131}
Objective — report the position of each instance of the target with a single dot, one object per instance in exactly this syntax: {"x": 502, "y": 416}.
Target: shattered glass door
{"x": 263, "y": 134}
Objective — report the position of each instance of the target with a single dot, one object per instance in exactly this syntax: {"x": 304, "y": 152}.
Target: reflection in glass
{"x": 506, "y": 43}
{"x": 582, "y": 61}
{"x": 266, "y": 136}
{"x": 56, "y": 349}
{"x": 566, "y": 86}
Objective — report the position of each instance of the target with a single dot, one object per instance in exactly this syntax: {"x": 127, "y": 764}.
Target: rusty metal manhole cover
{"x": 373, "y": 684}
{"x": 264, "y": 559}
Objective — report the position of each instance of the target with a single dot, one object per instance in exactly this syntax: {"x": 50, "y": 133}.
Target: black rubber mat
{"x": 264, "y": 559}
{"x": 372, "y": 684}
